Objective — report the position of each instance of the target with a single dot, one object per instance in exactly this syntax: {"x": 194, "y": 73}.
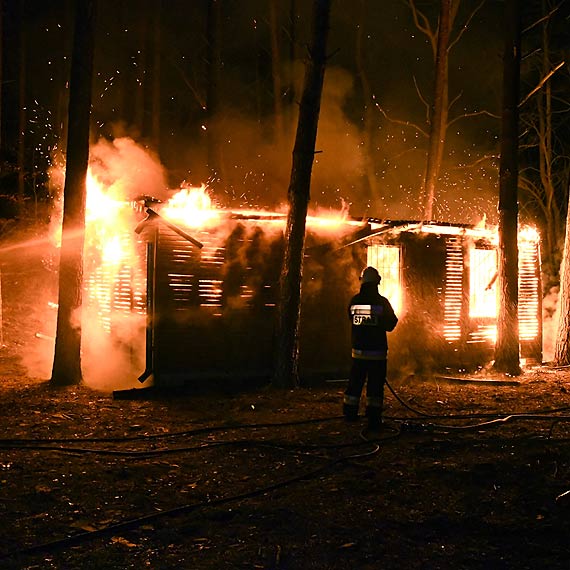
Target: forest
{"x": 208, "y": 92}
{"x": 444, "y": 113}
{"x": 159, "y": 81}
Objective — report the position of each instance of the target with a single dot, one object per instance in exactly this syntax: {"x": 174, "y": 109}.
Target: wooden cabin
{"x": 210, "y": 296}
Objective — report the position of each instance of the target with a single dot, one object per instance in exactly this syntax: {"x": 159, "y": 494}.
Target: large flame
{"x": 110, "y": 248}
{"x": 483, "y": 286}
{"x": 109, "y": 251}
{"x": 193, "y": 207}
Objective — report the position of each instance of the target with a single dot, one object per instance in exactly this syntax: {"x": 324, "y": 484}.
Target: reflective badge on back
{"x": 366, "y": 315}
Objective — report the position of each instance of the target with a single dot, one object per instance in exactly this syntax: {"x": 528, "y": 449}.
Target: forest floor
{"x": 469, "y": 472}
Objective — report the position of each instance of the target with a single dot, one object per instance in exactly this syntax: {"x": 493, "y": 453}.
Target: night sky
{"x": 397, "y": 60}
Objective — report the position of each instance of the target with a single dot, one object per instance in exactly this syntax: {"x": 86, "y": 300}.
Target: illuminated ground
{"x": 195, "y": 484}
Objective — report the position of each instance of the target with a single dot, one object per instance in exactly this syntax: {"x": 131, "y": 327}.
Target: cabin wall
{"x": 211, "y": 312}
{"x": 416, "y": 345}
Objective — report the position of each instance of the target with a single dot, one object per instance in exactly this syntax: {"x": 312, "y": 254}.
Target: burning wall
{"x": 213, "y": 308}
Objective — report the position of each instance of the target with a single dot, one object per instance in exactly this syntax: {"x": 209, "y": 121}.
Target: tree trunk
{"x": 369, "y": 112}
{"x": 276, "y": 71}
{"x": 286, "y": 365}
{"x": 22, "y": 112}
{"x": 507, "y": 347}
{"x": 214, "y": 25}
{"x": 1, "y": 68}
{"x": 156, "y": 69}
{"x": 562, "y": 347}
{"x": 439, "y": 110}
{"x": 67, "y": 359}
{"x": 546, "y": 152}
{"x": 142, "y": 66}
{"x": 290, "y": 110}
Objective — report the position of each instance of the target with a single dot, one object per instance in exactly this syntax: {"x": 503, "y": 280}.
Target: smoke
{"x": 108, "y": 362}
{"x": 257, "y": 169}
{"x": 127, "y": 170}
{"x": 256, "y": 161}
{"x": 38, "y": 353}
{"x": 124, "y": 171}
{"x": 112, "y": 361}
{"x": 339, "y": 163}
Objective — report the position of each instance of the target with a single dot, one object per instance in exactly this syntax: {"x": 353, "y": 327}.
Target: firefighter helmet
{"x": 370, "y": 275}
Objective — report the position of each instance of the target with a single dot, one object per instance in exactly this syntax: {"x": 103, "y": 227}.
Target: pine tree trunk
{"x": 156, "y": 76}
{"x": 286, "y": 365}
{"x": 142, "y": 65}
{"x": 1, "y": 68}
{"x": 290, "y": 110}
{"x": 439, "y": 109}
{"x": 507, "y": 348}
{"x": 214, "y": 24}
{"x": 369, "y": 112}
{"x": 562, "y": 347}
{"x": 67, "y": 359}
{"x": 22, "y": 111}
{"x": 276, "y": 71}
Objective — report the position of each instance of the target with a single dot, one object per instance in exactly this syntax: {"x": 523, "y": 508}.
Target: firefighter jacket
{"x": 371, "y": 315}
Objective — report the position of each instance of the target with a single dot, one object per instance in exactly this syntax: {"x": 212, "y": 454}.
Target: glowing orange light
{"x": 192, "y": 207}
{"x": 100, "y": 206}
{"x": 483, "y": 292}
{"x": 113, "y": 251}
{"x": 529, "y": 234}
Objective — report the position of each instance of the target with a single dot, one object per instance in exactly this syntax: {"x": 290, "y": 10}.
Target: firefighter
{"x": 371, "y": 315}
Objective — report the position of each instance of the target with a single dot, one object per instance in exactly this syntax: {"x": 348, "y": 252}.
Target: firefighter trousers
{"x": 373, "y": 374}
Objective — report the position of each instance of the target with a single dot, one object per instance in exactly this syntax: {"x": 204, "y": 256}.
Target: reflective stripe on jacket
{"x": 369, "y": 354}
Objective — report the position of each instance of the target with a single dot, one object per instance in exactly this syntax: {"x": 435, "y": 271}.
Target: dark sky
{"x": 398, "y": 64}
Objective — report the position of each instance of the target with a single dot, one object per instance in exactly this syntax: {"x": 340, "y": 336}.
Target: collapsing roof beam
{"x": 154, "y": 216}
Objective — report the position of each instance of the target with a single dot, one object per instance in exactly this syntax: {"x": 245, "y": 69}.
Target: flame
{"x": 101, "y": 207}
{"x": 483, "y": 290}
{"x": 113, "y": 251}
{"x": 529, "y": 234}
{"x": 192, "y": 206}
{"x": 110, "y": 248}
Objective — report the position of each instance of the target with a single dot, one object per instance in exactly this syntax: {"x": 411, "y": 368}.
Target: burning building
{"x": 200, "y": 286}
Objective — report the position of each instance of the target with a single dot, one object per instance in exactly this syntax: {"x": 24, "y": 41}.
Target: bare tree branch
{"x": 465, "y": 26}
{"x": 423, "y": 24}
{"x": 473, "y": 114}
{"x": 545, "y": 17}
{"x": 542, "y": 82}
{"x": 401, "y": 122}
{"x": 531, "y": 53}
{"x": 422, "y": 99}
{"x": 200, "y": 99}
{"x": 454, "y": 100}
{"x": 477, "y": 162}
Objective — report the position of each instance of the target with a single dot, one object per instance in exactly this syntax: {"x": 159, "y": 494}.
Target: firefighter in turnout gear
{"x": 372, "y": 316}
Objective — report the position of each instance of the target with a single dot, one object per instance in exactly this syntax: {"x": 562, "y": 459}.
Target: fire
{"x": 482, "y": 265}
{"x": 110, "y": 248}
{"x": 528, "y": 234}
{"x": 101, "y": 207}
{"x": 107, "y": 219}
{"x": 191, "y": 206}
{"x": 113, "y": 251}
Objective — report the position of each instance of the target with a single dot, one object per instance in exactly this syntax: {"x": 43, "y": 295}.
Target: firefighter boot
{"x": 350, "y": 412}
{"x": 374, "y": 416}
